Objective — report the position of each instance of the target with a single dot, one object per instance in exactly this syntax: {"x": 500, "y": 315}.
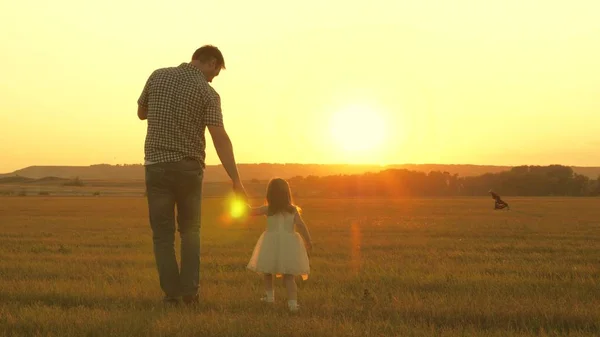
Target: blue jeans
{"x": 170, "y": 185}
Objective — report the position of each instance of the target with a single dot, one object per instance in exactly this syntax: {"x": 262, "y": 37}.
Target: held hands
{"x": 238, "y": 203}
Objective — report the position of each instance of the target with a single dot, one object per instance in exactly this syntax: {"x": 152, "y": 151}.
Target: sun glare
{"x": 358, "y": 128}
{"x": 237, "y": 208}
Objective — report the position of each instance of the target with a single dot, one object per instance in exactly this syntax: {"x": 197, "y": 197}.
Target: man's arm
{"x": 224, "y": 150}
{"x": 213, "y": 119}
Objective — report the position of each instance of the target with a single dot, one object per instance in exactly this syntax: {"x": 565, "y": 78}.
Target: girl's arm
{"x": 255, "y": 211}
{"x": 303, "y": 230}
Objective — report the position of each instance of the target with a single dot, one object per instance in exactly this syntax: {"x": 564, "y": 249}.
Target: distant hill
{"x": 265, "y": 171}
{"x": 17, "y": 179}
{"x": 212, "y": 172}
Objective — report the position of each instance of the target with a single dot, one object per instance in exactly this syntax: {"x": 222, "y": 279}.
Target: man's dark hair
{"x": 208, "y": 52}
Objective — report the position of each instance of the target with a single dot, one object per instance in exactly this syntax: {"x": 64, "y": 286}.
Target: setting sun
{"x": 358, "y": 128}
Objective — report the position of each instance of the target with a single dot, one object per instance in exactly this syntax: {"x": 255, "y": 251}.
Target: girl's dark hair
{"x": 279, "y": 197}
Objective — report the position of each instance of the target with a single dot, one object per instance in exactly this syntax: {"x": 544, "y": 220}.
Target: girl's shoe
{"x": 293, "y": 308}
{"x": 267, "y": 300}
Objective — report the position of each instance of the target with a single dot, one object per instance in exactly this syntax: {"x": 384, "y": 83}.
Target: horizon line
{"x": 307, "y": 164}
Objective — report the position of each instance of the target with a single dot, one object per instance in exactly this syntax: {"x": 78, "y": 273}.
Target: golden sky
{"x": 483, "y": 82}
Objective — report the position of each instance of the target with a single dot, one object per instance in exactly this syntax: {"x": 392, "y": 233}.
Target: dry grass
{"x": 430, "y": 267}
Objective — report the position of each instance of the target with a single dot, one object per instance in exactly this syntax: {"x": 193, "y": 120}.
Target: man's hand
{"x": 239, "y": 190}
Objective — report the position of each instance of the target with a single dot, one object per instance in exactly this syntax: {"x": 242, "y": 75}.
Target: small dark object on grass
{"x": 499, "y": 203}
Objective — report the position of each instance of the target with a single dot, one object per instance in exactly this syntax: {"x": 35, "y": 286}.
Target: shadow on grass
{"x": 66, "y": 301}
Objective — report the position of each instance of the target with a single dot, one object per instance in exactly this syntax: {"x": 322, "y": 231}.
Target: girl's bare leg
{"x": 292, "y": 291}
{"x": 270, "y": 293}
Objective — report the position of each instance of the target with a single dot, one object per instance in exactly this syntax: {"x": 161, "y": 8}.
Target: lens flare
{"x": 237, "y": 208}
{"x": 355, "y": 247}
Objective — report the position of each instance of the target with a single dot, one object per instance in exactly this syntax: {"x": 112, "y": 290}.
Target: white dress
{"x": 280, "y": 249}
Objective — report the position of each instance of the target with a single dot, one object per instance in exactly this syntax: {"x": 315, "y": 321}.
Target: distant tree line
{"x": 553, "y": 180}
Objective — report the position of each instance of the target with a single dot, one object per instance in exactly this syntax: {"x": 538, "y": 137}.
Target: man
{"x": 179, "y": 104}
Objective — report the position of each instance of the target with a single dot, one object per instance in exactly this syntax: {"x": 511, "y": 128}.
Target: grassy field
{"x": 83, "y": 266}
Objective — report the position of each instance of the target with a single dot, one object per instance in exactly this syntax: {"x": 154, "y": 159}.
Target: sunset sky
{"x": 502, "y": 82}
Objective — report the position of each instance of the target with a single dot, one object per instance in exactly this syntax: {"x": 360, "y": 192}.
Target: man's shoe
{"x": 192, "y": 300}
{"x": 170, "y": 302}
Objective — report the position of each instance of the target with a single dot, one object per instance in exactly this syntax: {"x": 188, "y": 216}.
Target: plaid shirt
{"x": 180, "y": 103}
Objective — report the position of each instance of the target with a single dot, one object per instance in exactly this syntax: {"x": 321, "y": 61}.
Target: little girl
{"x": 280, "y": 250}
